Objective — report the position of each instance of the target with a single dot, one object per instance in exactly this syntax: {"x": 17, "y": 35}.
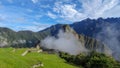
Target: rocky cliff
{"x": 88, "y": 42}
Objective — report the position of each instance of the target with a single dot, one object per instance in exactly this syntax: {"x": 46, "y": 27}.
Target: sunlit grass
{"x": 10, "y": 59}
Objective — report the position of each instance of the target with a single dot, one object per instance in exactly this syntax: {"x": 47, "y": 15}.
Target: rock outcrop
{"x": 88, "y": 42}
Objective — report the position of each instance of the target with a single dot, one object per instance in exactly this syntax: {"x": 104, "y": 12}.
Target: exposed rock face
{"x": 30, "y": 39}
{"x": 87, "y": 27}
{"x": 87, "y": 42}
{"x": 9, "y": 37}
{"x": 3, "y": 41}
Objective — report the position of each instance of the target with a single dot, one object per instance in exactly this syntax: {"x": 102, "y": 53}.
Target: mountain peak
{"x": 88, "y": 42}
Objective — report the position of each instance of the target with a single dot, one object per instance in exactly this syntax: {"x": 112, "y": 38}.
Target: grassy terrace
{"x": 10, "y": 59}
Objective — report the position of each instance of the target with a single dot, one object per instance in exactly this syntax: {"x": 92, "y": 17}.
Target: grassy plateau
{"x": 14, "y": 59}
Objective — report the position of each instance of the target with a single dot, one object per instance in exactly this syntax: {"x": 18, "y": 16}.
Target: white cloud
{"x": 68, "y": 12}
{"x": 34, "y": 1}
{"x": 51, "y": 15}
{"x": 36, "y": 26}
{"x": 113, "y": 13}
{"x": 89, "y": 8}
{"x": 32, "y": 28}
{"x": 96, "y": 8}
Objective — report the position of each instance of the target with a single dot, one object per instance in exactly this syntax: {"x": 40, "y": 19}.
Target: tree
{"x": 92, "y": 60}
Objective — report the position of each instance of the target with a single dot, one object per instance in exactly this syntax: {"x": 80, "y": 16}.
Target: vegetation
{"x": 13, "y": 59}
{"x": 21, "y": 38}
{"x": 93, "y": 60}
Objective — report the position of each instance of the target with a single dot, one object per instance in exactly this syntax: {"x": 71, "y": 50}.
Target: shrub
{"x": 93, "y": 60}
{"x": 99, "y": 60}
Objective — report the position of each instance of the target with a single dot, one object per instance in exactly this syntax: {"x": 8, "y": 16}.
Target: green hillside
{"x": 13, "y": 59}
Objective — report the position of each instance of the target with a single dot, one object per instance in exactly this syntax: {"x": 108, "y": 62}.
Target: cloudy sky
{"x": 36, "y": 15}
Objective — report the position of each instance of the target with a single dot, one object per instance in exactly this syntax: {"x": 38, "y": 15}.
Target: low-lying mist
{"x": 110, "y": 35}
{"x": 65, "y": 42}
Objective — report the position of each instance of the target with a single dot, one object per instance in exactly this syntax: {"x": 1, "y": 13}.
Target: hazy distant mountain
{"x": 87, "y": 27}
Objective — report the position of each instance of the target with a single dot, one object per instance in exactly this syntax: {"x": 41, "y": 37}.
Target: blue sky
{"x": 36, "y": 15}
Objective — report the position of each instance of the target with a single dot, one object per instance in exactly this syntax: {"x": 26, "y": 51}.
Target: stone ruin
{"x": 36, "y": 49}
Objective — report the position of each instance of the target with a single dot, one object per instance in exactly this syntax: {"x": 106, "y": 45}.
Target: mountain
{"x": 87, "y": 27}
{"x": 91, "y": 27}
{"x": 12, "y": 38}
{"x": 88, "y": 42}
{"x": 105, "y": 30}
{"x": 9, "y": 37}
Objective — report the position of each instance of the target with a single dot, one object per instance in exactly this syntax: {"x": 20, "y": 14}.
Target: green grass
{"x": 10, "y": 59}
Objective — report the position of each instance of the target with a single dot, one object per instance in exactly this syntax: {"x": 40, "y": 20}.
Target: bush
{"x": 98, "y": 60}
{"x": 93, "y": 60}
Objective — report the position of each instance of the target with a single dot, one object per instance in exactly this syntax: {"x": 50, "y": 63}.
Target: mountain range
{"x": 88, "y": 27}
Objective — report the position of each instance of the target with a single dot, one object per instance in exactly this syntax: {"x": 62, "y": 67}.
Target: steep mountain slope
{"x": 87, "y": 42}
{"x": 91, "y": 27}
{"x": 87, "y": 27}
{"x": 9, "y": 37}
